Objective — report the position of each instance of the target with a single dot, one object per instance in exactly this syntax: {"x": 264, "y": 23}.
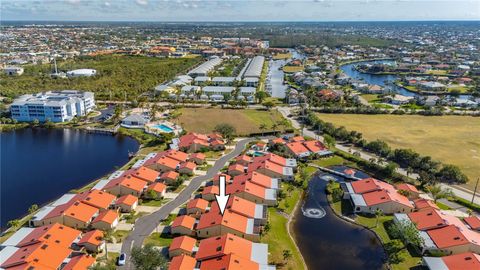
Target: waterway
{"x": 328, "y": 242}
{"x": 40, "y": 165}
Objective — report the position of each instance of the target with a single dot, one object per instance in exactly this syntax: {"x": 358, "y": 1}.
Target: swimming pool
{"x": 163, "y": 128}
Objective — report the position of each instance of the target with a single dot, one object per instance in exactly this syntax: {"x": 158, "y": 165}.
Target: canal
{"x": 39, "y": 165}
{"x": 328, "y": 242}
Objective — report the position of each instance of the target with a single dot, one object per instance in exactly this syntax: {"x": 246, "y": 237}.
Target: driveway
{"x": 145, "y": 225}
{"x": 458, "y": 191}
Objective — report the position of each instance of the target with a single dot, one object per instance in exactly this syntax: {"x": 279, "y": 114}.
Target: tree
{"x": 451, "y": 173}
{"x": 107, "y": 237}
{"x": 439, "y": 193}
{"x": 33, "y": 209}
{"x": 378, "y": 213}
{"x": 14, "y": 223}
{"x": 262, "y": 128}
{"x": 268, "y": 104}
{"x": 407, "y": 232}
{"x": 148, "y": 257}
{"x": 227, "y": 130}
{"x": 260, "y": 96}
{"x": 287, "y": 254}
{"x": 329, "y": 140}
{"x": 117, "y": 113}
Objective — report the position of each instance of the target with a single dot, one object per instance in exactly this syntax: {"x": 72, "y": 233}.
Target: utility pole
{"x": 475, "y": 190}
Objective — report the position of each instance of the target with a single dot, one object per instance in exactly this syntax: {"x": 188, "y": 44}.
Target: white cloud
{"x": 142, "y": 2}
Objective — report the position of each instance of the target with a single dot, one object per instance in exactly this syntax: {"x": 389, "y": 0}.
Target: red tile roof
{"x": 229, "y": 219}
{"x": 407, "y": 187}
{"x": 38, "y": 256}
{"x": 157, "y": 187}
{"x": 56, "y": 232}
{"x": 108, "y": 216}
{"x": 448, "y": 236}
{"x": 473, "y": 222}
{"x": 256, "y": 178}
{"x": 94, "y": 237}
{"x": 168, "y": 162}
{"x": 130, "y": 182}
{"x": 297, "y": 148}
{"x": 184, "y": 221}
{"x": 246, "y": 186}
{"x": 229, "y": 262}
{"x": 222, "y": 245}
{"x": 127, "y": 200}
{"x": 183, "y": 242}
{"x": 81, "y": 262}
{"x": 427, "y": 219}
{"x": 462, "y": 261}
{"x": 198, "y": 203}
{"x": 423, "y": 204}
{"x": 169, "y": 175}
{"x": 365, "y": 185}
{"x": 143, "y": 173}
{"x": 81, "y": 211}
{"x": 314, "y": 146}
{"x": 182, "y": 262}
{"x": 96, "y": 198}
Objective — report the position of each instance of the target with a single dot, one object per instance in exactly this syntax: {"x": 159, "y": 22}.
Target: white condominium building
{"x": 56, "y": 106}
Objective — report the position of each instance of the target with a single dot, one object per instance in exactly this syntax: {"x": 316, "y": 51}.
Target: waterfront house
{"x": 135, "y": 121}
{"x": 215, "y": 224}
{"x": 106, "y": 220}
{"x": 143, "y": 173}
{"x": 92, "y": 241}
{"x": 96, "y": 198}
{"x": 462, "y": 261}
{"x": 245, "y": 208}
{"x": 271, "y": 169}
{"x": 56, "y": 232}
{"x": 369, "y": 195}
{"x": 79, "y": 215}
{"x": 182, "y": 245}
{"x": 183, "y": 225}
{"x": 126, "y": 185}
{"x": 127, "y": 203}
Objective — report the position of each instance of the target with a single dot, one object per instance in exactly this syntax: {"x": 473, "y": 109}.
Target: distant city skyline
{"x": 239, "y": 10}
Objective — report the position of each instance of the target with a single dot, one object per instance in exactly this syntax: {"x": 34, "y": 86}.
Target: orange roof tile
{"x": 94, "y": 237}
{"x": 428, "y": 219}
{"x": 222, "y": 245}
{"x": 237, "y": 205}
{"x": 81, "y": 211}
{"x": 38, "y": 256}
{"x": 277, "y": 140}
{"x": 127, "y": 200}
{"x": 96, "y": 198}
{"x": 128, "y": 181}
{"x": 448, "y": 236}
{"x": 365, "y": 185}
{"x": 230, "y": 262}
{"x": 246, "y": 186}
{"x": 268, "y": 165}
{"x": 473, "y": 222}
{"x": 184, "y": 221}
{"x": 297, "y": 148}
{"x": 216, "y": 178}
{"x": 143, "y": 173}
{"x": 198, "y": 156}
{"x": 422, "y": 204}
{"x": 210, "y": 190}
{"x": 58, "y": 233}
{"x": 462, "y": 261}
{"x": 244, "y": 158}
{"x": 168, "y": 162}
{"x": 188, "y": 165}
{"x": 169, "y": 175}
{"x": 314, "y": 146}
{"x": 297, "y": 139}
{"x": 236, "y": 167}
{"x": 256, "y": 178}
{"x": 182, "y": 262}
{"x": 407, "y": 187}
{"x": 229, "y": 219}
{"x": 157, "y": 187}
{"x": 81, "y": 262}
{"x": 183, "y": 242}
{"x": 108, "y": 216}
{"x": 175, "y": 154}
{"x": 197, "y": 203}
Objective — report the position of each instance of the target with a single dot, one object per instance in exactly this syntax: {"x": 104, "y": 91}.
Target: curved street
{"x": 145, "y": 225}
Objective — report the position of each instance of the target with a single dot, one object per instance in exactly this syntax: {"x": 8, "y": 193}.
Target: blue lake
{"x": 40, "y": 165}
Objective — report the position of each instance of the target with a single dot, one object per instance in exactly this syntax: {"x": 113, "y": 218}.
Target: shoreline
{"x": 24, "y": 219}
{"x": 292, "y": 235}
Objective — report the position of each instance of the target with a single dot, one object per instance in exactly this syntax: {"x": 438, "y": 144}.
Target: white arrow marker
{"x": 222, "y": 198}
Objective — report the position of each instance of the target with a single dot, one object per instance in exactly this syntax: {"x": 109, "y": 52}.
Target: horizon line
{"x": 250, "y": 21}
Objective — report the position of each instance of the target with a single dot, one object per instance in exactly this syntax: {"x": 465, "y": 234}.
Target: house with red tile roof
{"x": 243, "y": 160}
{"x": 297, "y": 138}
{"x": 259, "y": 179}
{"x": 182, "y": 245}
{"x": 165, "y": 164}
{"x": 209, "y": 192}
{"x": 56, "y": 232}
{"x": 219, "y": 246}
{"x": 252, "y": 192}
{"x": 127, "y": 203}
{"x": 182, "y": 262}
{"x": 285, "y": 162}
{"x": 79, "y": 215}
{"x": 424, "y": 204}
{"x": 462, "y": 261}
{"x": 96, "y": 198}
{"x": 369, "y": 195}
{"x": 245, "y": 208}
{"x": 317, "y": 147}
{"x": 187, "y": 168}
{"x": 169, "y": 177}
{"x": 298, "y": 150}
{"x": 106, "y": 220}
{"x": 271, "y": 169}
{"x": 143, "y": 173}
{"x": 214, "y": 224}
{"x": 411, "y": 190}
{"x": 473, "y": 222}
{"x": 125, "y": 185}
{"x": 92, "y": 241}
{"x": 79, "y": 262}
{"x": 198, "y": 158}
{"x": 236, "y": 169}
{"x": 183, "y": 225}
{"x": 159, "y": 190}
{"x": 197, "y": 207}
{"x": 175, "y": 154}
{"x": 216, "y": 178}
{"x": 194, "y": 142}
{"x": 229, "y": 262}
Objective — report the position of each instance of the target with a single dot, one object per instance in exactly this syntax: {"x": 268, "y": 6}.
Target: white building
{"x": 56, "y": 106}
{"x": 12, "y": 71}
{"x": 84, "y": 72}
{"x": 205, "y": 68}
{"x": 255, "y": 67}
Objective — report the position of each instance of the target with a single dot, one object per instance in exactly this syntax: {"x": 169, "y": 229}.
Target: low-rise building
{"x": 215, "y": 224}
{"x": 92, "y": 241}
{"x": 106, "y": 220}
{"x": 127, "y": 203}
{"x": 182, "y": 245}
{"x": 467, "y": 260}
{"x": 183, "y": 225}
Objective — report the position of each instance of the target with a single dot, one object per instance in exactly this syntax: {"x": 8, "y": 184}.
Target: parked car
{"x": 122, "y": 259}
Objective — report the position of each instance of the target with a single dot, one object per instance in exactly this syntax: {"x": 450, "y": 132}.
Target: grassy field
{"x": 282, "y": 56}
{"x": 119, "y": 74}
{"x": 292, "y": 69}
{"x": 278, "y": 240}
{"x": 245, "y": 121}
{"x": 450, "y": 139}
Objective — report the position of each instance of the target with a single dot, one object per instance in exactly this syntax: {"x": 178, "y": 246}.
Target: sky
{"x": 239, "y": 10}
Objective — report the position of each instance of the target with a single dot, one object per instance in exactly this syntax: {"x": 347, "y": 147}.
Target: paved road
{"x": 457, "y": 190}
{"x": 144, "y": 226}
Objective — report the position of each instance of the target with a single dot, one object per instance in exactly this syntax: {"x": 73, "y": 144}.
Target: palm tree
{"x": 439, "y": 193}
{"x": 33, "y": 209}
{"x": 262, "y": 127}
{"x": 378, "y": 213}
{"x": 107, "y": 237}
{"x": 14, "y": 223}
{"x": 274, "y": 126}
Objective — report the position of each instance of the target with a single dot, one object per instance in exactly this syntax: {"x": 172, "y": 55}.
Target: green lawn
{"x": 330, "y": 161}
{"x": 155, "y": 203}
{"x": 278, "y": 240}
{"x": 120, "y": 235}
{"x": 288, "y": 204}
{"x": 157, "y": 239}
{"x": 169, "y": 219}
{"x": 443, "y": 206}
{"x": 370, "y": 97}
